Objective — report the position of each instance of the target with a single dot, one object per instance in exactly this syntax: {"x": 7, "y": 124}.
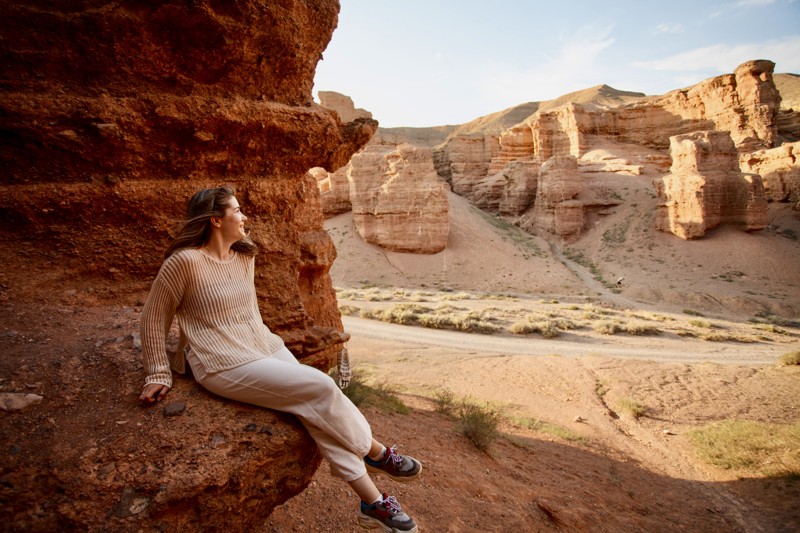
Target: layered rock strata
{"x": 745, "y": 103}
{"x": 705, "y": 188}
{"x": 557, "y": 209}
{"x": 113, "y": 115}
{"x": 779, "y": 169}
{"x": 398, "y": 201}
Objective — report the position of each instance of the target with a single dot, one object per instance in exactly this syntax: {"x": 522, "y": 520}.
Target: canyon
{"x": 114, "y": 114}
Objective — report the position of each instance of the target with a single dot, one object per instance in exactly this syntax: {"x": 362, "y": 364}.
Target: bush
{"x": 791, "y": 358}
{"x": 478, "y": 424}
{"x": 606, "y": 327}
{"x": 637, "y": 328}
{"x": 545, "y": 328}
{"x": 445, "y": 402}
{"x": 349, "y": 310}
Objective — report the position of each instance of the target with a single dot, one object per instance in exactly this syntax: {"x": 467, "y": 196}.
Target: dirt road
{"x": 659, "y": 348}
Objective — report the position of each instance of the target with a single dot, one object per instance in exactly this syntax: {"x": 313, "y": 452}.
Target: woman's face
{"x": 232, "y": 224}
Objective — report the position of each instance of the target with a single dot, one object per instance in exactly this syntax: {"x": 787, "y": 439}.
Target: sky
{"x": 424, "y": 63}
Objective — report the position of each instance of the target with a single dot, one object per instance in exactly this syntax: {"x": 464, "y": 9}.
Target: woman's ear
{"x": 215, "y": 222}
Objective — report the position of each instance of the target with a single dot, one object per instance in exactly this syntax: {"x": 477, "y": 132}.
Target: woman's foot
{"x": 398, "y": 467}
{"x": 387, "y": 515}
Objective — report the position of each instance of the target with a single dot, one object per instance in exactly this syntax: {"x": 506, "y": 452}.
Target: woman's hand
{"x": 153, "y": 392}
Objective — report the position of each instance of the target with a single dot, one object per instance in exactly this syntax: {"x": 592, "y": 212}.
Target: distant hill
{"x": 789, "y": 87}
{"x": 600, "y": 96}
{"x": 499, "y": 121}
{"x": 429, "y": 137}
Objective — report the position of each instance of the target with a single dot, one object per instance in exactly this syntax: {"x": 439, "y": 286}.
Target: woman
{"x": 207, "y": 282}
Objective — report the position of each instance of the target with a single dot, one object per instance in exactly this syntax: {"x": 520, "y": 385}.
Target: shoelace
{"x": 396, "y": 458}
{"x": 392, "y": 504}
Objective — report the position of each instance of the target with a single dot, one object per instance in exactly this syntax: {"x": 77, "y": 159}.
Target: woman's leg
{"x": 366, "y": 489}
{"x": 279, "y": 382}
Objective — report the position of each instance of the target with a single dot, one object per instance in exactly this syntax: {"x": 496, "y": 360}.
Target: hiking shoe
{"x": 398, "y": 467}
{"x": 387, "y": 515}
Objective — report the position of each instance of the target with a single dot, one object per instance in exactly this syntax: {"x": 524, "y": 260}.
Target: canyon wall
{"x": 705, "y": 188}
{"x": 113, "y": 115}
{"x": 478, "y": 164}
{"x": 779, "y": 169}
{"x": 398, "y": 201}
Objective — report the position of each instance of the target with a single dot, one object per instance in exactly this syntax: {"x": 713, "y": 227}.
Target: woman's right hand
{"x": 153, "y": 392}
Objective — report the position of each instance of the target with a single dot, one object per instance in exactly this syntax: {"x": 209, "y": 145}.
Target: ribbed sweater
{"x": 217, "y": 311}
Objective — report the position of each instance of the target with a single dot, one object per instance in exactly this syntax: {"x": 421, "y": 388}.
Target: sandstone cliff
{"x": 112, "y": 116}
{"x": 398, "y": 201}
{"x": 779, "y": 169}
{"x": 705, "y": 188}
{"x": 745, "y": 103}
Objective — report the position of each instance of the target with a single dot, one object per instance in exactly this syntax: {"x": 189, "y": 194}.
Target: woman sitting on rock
{"x": 207, "y": 281}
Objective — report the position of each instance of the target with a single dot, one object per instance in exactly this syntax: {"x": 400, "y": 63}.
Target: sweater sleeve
{"x": 157, "y": 316}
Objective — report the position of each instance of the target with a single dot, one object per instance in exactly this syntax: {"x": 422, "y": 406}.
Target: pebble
{"x": 16, "y": 401}
{"x": 174, "y": 408}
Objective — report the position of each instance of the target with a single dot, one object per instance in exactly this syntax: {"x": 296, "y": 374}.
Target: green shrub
{"x": 478, "y": 424}
{"x": 444, "y": 400}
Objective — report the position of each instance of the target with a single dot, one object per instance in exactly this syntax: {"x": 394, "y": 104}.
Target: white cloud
{"x": 666, "y": 28}
{"x": 724, "y": 58}
{"x": 754, "y": 3}
{"x": 576, "y": 65}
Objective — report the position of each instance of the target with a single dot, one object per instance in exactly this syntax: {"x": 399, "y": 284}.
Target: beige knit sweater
{"x": 215, "y": 303}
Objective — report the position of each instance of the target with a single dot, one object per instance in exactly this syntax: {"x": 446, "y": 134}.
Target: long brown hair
{"x": 196, "y": 229}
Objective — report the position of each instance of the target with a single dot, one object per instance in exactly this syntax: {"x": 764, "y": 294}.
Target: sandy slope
{"x": 607, "y": 471}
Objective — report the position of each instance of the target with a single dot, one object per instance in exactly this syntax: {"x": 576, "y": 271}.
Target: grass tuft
{"x": 381, "y": 397}
{"x": 765, "y": 448}
{"x": 790, "y": 358}
{"x": 479, "y": 424}
{"x": 631, "y": 407}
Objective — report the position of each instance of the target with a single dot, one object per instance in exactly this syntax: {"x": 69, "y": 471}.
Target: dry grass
{"x": 471, "y": 312}
{"x": 754, "y": 447}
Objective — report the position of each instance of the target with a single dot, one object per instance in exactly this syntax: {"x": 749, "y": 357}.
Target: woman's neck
{"x": 218, "y": 249}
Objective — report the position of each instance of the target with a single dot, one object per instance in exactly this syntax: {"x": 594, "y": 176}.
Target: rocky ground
{"x": 585, "y": 465}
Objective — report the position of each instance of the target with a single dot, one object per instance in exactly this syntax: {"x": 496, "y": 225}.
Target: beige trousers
{"x": 279, "y": 382}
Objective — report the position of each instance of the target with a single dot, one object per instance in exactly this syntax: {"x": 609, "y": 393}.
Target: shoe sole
{"x": 367, "y": 522}
{"x": 399, "y": 479}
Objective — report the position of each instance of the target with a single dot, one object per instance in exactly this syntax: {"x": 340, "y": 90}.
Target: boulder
{"x": 113, "y": 115}
{"x": 398, "y": 201}
{"x": 705, "y": 188}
